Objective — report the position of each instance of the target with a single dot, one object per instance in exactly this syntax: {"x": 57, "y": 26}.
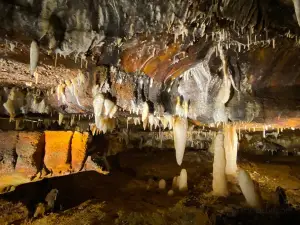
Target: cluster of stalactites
{"x": 31, "y": 102}
{"x": 104, "y": 111}
{"x": 178, "y": 122}
{"x": 149, "y": 119}
{"x": 72, "y": 86}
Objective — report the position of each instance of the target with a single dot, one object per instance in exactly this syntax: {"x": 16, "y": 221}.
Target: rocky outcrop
{"x": 8, "y": 154}
{"x": 30, "y": 151}
{"x": 57, "y": 151}
{"x": 32, "y": 156}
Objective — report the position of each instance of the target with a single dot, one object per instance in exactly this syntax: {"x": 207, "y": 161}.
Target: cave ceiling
{"x": 228, "y": 60}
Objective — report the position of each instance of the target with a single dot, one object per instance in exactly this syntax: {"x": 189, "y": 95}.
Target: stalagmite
{"x": 250, "y": 192}
{"x": 219, "y": 178}
{"x": 162, "y": 184}
{"x": 170, "y": 193}
{"x": 231, "y": 146}
{"x": 180, "y": 135}
{"x": 182, "y": 181}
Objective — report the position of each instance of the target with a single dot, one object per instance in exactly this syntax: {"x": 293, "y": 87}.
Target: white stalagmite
{"x": 219, "y": 178}
{"x": 231, "y": 146}
{"x": 182, "y": 181}
{"x": 60, "y": 118}
{"x": 180, "y": 135}
{"x": 170, "y": 193}
{"x": 162, "y": 184}
{"x": 250, "y": 192}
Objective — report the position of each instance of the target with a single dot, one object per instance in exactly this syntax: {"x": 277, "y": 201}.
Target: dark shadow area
{"x": 73, "y": 189}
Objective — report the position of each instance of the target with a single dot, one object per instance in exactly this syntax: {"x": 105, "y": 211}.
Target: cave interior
{"x": 150, "y": 112}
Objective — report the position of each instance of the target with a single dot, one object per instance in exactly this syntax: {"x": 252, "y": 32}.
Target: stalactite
{"x": 34, "y": 57}
{"x": 180, "y": 135}
{"x": 60, "y": 118}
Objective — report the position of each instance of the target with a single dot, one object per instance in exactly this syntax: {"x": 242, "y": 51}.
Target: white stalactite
{"x": 34, "y": 57}
{"x": 60, "y": 118}
{"x": 180, "y": 134}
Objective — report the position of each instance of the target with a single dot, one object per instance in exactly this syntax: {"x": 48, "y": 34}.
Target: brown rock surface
{"x": 8, "y": 151}
{"x": 30, "y": 151}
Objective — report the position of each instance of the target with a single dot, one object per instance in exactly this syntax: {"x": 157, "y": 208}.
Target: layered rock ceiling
{"x": 156, "y": 51}
{"x": 103, "y": 65}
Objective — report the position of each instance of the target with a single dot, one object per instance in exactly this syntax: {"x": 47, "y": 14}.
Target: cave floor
{"x": 126, "y": 196}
